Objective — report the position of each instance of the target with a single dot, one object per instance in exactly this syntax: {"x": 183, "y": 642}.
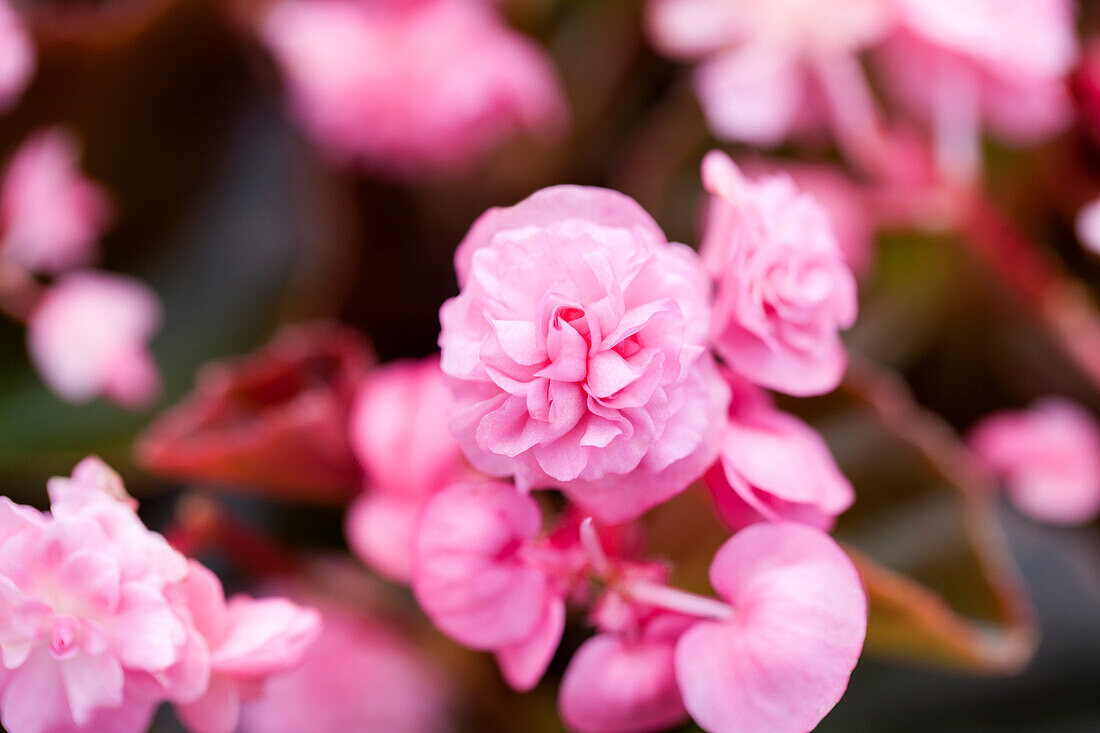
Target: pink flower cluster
{"x": 773, "y": 653}
{"x": 586, "y": 353}
{"x": 87, "y": 333}
{"x": 101, "y": 620}
{"x": 411, "y": 87}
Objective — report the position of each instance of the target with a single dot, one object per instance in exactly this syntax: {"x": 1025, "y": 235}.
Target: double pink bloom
{"x": 101, "y": 620}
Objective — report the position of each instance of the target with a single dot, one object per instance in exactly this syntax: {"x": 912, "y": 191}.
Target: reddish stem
{"x": 1054, "y": 297}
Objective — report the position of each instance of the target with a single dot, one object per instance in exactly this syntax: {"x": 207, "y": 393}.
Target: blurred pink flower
{"x": 360, "y": 675}
{"x": 782, "y": 657}
{"x": 17, "y": 56}
{"x": 1000, "y": 62}
{"x": 756, "y": 81}
{"x": 82, "y": 622}
{"x": 51, "y": 214}
{"x": 88, "y": 337}
{"x": 410, "y": 87}
{"x": 247, "y": 641}
{"x": 1088, "y": 226}
{"x": 1049, "y": 458}
{"x": 577, "y": 352}
{"x": 784, "y": 289}
{"x": 618, "y": 683}
{"x": 399, "y": 433}
{"x": 273, "y": 421}
{"x": 774, "y": 467}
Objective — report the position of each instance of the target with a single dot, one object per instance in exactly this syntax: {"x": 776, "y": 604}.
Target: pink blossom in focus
{"x": 577, "y": 352}
{"x": 618, "y": 683}
{"x": 410, "y": 87}
{"x": 359, "y": 675}
{"x": 1049, "y": 458}
{"x": 399, "y": 433}
{"x": 755, "y": 81}
{"x": 782, "y": 658}
{"x": 51, "y": 214}
{"x": 247, "y": 641}
{"x": 774, "y": 467}
{"x": 842, "y": 199}
{"x": 1008, "y": 60}
{"x": 82, "y": 622}
{"x": 88, "y": 336}
{"x": 17, "y": 56}
{"x": 1088, "y": 226}
{"x": 784, "y": 289}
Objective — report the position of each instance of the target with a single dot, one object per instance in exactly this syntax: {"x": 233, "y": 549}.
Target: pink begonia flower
{"x": 756, "y": 80}
{"x": 1088, "y": 226}
{"x": 577, "y": 352}
{"x": 399, "y": 433}
{"x": 17, "y": 56}
{"x": 410, "y": 87}
{"x": 1049, "y": 458}
{"x": 782, "y": 658}
{"x": 360, "y": 675}
{"x": 81, "y": 625}
{"x": 774, "y": 467}
{"x": 88, "y": 336}
{"x": 622, "y": 684}
{"x": 274, "y": 421}
{"x": 247, "y": 641}
{"x": 841, "y": 198}
{"x": 784, "y": 289}
{"x": 472, "y": 577}
{"x": 51, "y": 214}
{"x": 1003, "y": 63}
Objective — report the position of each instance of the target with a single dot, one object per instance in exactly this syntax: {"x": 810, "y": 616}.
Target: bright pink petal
{"x": 614, "y": 685}
{"x": 469, "y": 577}
{"x": 783, "y": 659}
{"x": 524, "y": 663}
{"x": 381, "y": 530}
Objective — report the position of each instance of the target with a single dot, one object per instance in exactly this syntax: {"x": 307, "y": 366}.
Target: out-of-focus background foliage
{"x": 239, "y": 225}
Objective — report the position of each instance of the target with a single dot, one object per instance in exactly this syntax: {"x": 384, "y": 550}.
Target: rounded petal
{"x": 524, "y": 663}
{"x": 782, "y": 660}
{"x": 617, "y": 686}
{"x": 469, "y": 576}
{"x": 556, "y": 204}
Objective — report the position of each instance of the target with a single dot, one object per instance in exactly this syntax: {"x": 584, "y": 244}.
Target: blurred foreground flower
{"x": 17, "y": 56}
{"x": 99, "y": 621}
{"x": 1048, "y": 457}
{"x": 88, "y": 337}
{"x": 411, "y": 88}
{"x": 51, "y": 215}
{"x": 275, "y": 420}
{"x": 360, "y": 675}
